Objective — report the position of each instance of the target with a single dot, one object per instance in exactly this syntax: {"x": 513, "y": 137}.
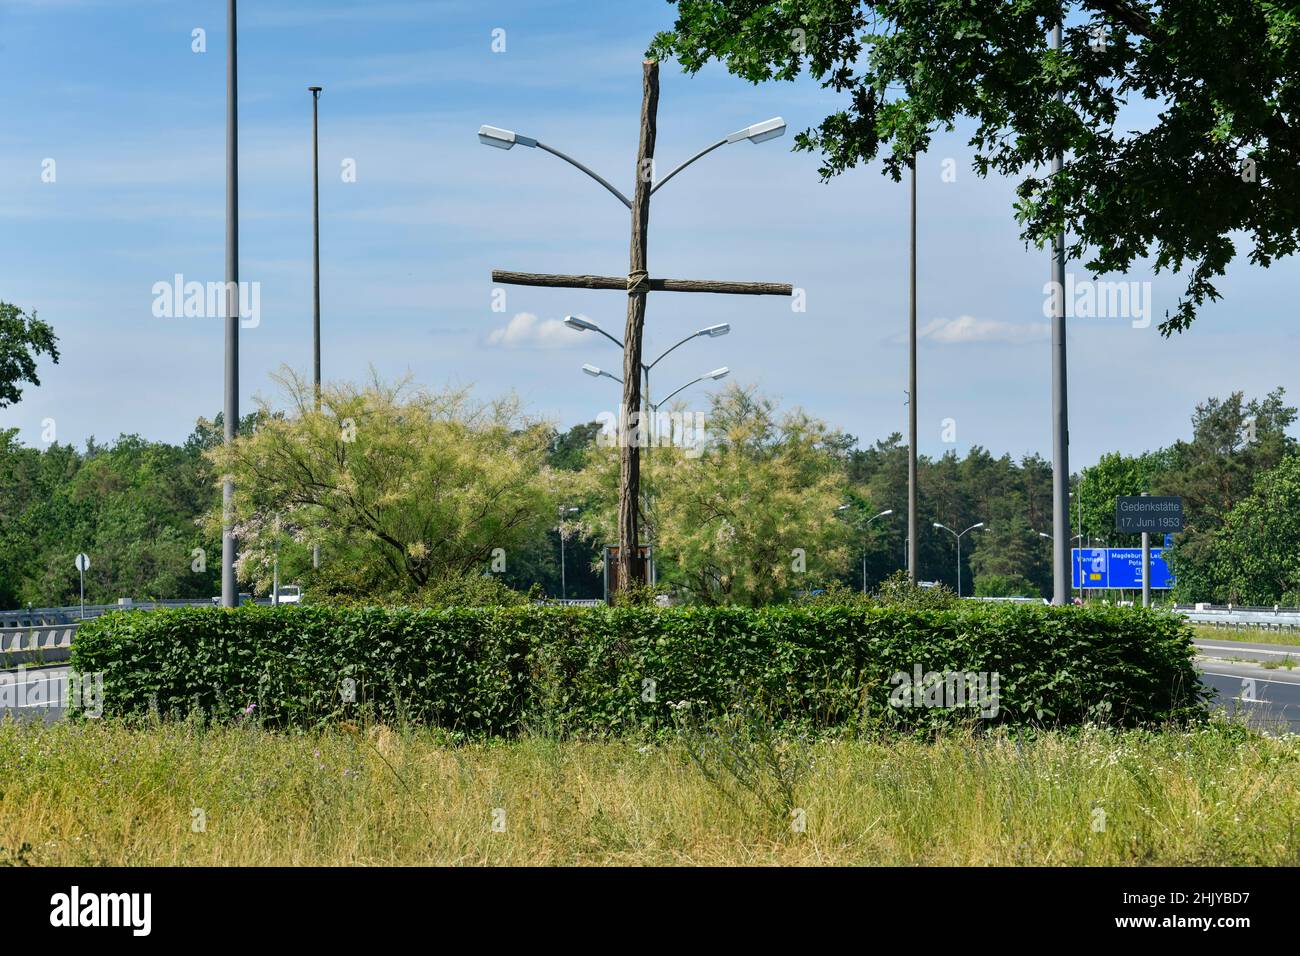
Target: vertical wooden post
{"x": 629, "y": 557}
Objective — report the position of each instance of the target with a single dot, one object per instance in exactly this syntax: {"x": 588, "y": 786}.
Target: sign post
{"x": 1146, "y": 513}
{"x": 83, "y": 565}
{"x": 1146, "y": 563}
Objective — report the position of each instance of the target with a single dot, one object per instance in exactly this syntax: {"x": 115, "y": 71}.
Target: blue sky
{"x": 134, "y": 120}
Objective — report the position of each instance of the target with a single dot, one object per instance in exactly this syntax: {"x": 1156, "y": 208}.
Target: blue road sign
{"x": 1118, "y": 568}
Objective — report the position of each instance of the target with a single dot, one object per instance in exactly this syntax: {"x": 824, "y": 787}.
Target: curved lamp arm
{"x": 758, "y": 133}
{"x": 509, "y": 139}
{"x": 592, "y": 173}
{"x": 704, "y": 152}
{"x": 693, "y": 335}
{"x": 665, "y": 399}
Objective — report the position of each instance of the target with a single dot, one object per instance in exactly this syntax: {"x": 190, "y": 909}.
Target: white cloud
{"x": 527, "y": 331}
{"x": 967, "y": 328}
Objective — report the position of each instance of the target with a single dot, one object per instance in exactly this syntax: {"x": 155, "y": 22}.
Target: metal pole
{"x": 83, "y": 594}
{"x": 229, "y": 593}
{"x": 1078, "y": 507}
{"x": 315, "y": 247}
{"x": 649, "y": 407}
{"x": 316, "y": 272}
{"x": 1146, "y": 565}
{"x": 275, "y": 567}
{"x": 864, "y": 571}
{"x": 911, "y": 549}
{"x": 1060, "y": 410}
{"x": 959, "y": 565}
{"x": 564, "y": 590}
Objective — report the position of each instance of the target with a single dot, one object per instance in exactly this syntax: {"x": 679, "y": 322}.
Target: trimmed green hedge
{"x": 497, "y": 671}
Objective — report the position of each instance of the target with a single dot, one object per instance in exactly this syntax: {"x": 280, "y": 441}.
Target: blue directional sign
{"x": 1118, "y": 568}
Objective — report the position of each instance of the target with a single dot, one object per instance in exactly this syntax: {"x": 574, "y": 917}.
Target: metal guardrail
{"x": 1266, "y": 618}
{"x": 1009, "y": 600}
{"x": 41, "y": 638}
{"x": 71, "y": 614}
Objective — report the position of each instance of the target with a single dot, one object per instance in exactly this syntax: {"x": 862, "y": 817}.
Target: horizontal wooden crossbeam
{"x": 619, "y": 283}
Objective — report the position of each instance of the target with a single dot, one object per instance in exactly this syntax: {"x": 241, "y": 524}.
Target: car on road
{"x": 243, "y": 599}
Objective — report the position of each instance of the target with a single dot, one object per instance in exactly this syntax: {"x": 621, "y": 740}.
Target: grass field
{"x": 177, "y": 794}
{"x": 1253, "y": 635}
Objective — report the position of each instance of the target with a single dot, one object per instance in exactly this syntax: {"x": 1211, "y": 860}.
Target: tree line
{"x": 414, "y": 495}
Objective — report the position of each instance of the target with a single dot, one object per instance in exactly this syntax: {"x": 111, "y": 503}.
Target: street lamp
{"x": 315, "y": 284}
{"x": 509, "y": 139}
{"x": 887, "y": 511}
{"x": 758, "y": 133}
{"x": 230, "y": 410}
{"x": 579, "y": 324}
{"x": 715, "y": 375}
{"x": 958, "y": 537}
{"x": 595, "y": 372}
{"x": 563, "y": 587}
{"x": 638, "y": 276}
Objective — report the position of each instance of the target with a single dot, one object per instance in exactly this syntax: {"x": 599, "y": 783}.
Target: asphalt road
{"x": 34, "y": 693}
{"x": 1268, "y": 697}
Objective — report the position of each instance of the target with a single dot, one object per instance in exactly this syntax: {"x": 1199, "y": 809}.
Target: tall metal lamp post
{"x": 229, "y": 592}
{"x": 887, "y": 511}
{"x": 315, "y": 262}
{"x": 958, "y": 536}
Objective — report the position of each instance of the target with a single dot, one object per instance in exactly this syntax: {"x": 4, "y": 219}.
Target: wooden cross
{"x": 637, "y": 284}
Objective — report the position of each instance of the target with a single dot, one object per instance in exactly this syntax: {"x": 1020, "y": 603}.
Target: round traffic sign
{"x": 83, "y": 562}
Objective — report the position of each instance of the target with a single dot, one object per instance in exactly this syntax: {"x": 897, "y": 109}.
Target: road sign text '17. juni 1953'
{"x": 1159, "y": 514}
{"x": 1117, "y": 568}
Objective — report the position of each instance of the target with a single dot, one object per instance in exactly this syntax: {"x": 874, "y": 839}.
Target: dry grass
{"x": 108, "y": 794}
{"x": 1251, "y": 635}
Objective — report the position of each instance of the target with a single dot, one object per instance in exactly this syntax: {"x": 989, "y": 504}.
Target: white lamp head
{"x": 713, "y": 331}
{"x": 718, "y": 373}
{"x": 582, "y": 325}
{"x": 760, "y": 132}
{"x": 592, "y": 370}
{"x": 503, "y": 138}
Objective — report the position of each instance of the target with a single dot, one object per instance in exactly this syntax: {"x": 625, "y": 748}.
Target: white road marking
{"x": 1257, "y": 680}
{"x": 1243, "y": 648}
